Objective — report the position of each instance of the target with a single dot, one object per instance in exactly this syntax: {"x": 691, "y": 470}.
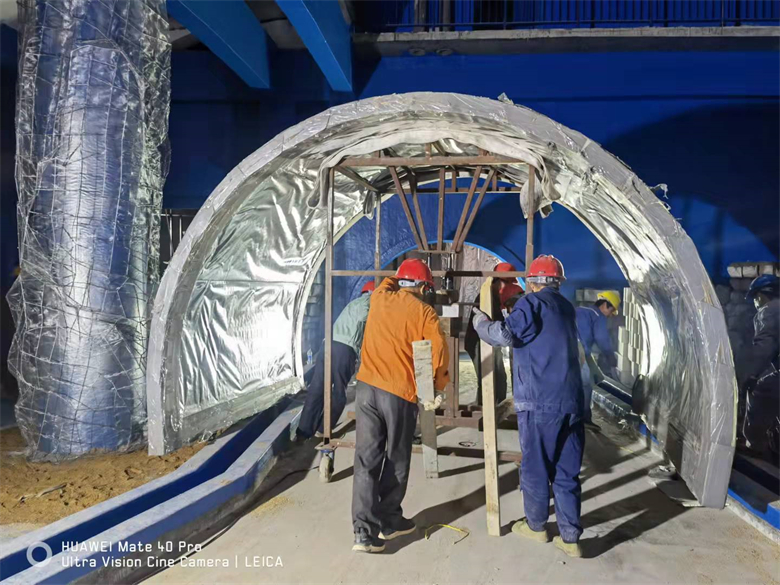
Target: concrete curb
{"x": 747, "y": 498}
{"x": 145, "y": 515}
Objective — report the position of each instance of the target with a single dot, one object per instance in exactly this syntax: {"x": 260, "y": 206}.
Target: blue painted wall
{"x": 705, "y": 123}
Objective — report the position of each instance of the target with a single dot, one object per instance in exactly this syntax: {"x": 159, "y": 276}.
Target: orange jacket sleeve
{"x": 441, "y": 356}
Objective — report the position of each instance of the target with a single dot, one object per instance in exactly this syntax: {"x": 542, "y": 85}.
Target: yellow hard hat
{"x": 611, "y": 297}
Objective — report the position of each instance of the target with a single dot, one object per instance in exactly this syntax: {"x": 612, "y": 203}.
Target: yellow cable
{"x": 461, "y": 530}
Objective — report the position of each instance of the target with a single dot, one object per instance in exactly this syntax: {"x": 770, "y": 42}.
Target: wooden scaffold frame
{"x": 489, "y": 416}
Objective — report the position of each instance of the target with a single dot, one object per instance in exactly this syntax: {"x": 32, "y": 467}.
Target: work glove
{"x": 479, "y": 317}
{"x": 433, "y": 404}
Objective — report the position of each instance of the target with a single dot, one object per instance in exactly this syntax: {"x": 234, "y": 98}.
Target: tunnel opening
{"x": 227, "y": 323}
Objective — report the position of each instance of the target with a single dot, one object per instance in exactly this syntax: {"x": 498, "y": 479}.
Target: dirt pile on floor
{"x": 40, "y": 493}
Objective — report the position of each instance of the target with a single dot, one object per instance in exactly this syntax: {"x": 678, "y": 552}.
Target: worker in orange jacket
{"x": 386, "y": 402}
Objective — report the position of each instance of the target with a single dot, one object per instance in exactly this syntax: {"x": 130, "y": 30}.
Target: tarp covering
{"x": 225, "y": 337}
{"x": 92, "y": 119}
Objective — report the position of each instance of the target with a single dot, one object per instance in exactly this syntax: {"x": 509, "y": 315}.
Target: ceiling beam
{"x": 232, "y": 32}
{"x": 321, "y": 26}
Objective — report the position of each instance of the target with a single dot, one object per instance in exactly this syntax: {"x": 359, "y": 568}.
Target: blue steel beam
{"x": 232, "y": 32}
{"x": 323, "y": 30}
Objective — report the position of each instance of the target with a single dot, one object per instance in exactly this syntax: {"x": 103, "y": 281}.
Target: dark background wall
{"x": 703, "y": 122}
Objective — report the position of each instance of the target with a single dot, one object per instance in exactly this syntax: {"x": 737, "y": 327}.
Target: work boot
{"x": 589, "y": 424}
{"x": 573, "y": 549}
{"x": 364, "y": 542}
{"x": 404, "y": 526}
{"x": 521, "y": 528}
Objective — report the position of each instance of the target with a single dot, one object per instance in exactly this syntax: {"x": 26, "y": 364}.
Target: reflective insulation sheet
{"x": 226, "y": 330}
{"x": 92, "y": 119}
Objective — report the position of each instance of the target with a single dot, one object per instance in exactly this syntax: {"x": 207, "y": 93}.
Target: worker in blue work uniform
{"x": 761, "y": 427}
{"x": 542, "y": 330}
{"x": 592, "y": 329}
{"x": 345, "y": 349}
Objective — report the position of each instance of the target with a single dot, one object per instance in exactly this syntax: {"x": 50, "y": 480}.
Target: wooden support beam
{"x": 347, "y": 172}
{"x": 492, "y": 494}
{"x": 466, "y": 206}
{"x": 440, "y": 215}
{"x": 417, "y": 211}
{"x": 423, "y": 375}
{"x": 328, "y": 374}
{"x": 529, "y": 235}
{"x": 421, "y": 161}
{"x": 378, "y": 240}
{"x": 450, "y": 327}
{"x": 458, "y": 246}
{"x": 405, "y": 204}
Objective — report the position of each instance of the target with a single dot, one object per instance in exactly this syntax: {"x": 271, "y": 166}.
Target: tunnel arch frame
{"x": 654, "y": 253}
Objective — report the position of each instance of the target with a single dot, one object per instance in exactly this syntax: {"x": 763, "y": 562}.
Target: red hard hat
{"x": 546, "y": 266}
{"x": 505, "y": 267}
{"x": 508, "y": 291}
{"x": 368, "y": 287}
{"x": 416, "y": 270}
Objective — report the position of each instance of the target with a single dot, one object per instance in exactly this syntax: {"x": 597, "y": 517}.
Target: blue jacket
{"x": 542, "y": 329}
{"x": 592, "y": 327}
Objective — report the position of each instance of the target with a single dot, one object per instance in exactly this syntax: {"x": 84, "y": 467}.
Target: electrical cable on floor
{"x": 455, "y": 528}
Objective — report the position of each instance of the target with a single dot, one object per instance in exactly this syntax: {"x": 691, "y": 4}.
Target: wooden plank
{"x": 492, "y": 495}
{"x": 421, "y": 161}
{"x": 328, "y": 374}
{"x": 405, "y": 205}
{"x": 440, "y": 215}
{"x": 529, "y": 238}
{"x": 423, "y": 375}
{"x": 378, "y": 240}
{"x": 466, "y": 206}
{"x": 458, "y": 247}
{"x": 418, "y": 212}
{"x": 452, "y": 404}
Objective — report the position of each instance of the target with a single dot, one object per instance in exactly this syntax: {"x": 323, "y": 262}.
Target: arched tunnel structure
{"x": 226, "y": 330}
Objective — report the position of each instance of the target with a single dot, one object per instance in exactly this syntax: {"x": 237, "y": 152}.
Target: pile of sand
{"x": 40, "y": 493}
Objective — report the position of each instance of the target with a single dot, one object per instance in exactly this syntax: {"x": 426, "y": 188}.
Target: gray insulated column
{"x": 92, "y": 117}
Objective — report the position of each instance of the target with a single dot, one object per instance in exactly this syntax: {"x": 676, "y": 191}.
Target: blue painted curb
{"x": 144, "y": 514}
{"x": 744, "y": 487}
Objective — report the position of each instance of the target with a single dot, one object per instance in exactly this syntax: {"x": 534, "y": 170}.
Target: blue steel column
{"x": 92, "y": 120}
{"x": 326, "y": 34}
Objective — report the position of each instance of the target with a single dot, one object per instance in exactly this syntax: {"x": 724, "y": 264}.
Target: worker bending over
{"x": 345, "y": 349}
{"x": 542, "y": 329}
{"x": 762, "y": 385}
{"x": 386, "y": 402}
{"x": 592, "y": 328}
{"x": 503, "y": 290}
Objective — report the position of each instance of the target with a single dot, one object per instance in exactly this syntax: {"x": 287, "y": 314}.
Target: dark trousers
{"x": 761, "y": 414}
{"x": 343, "y": 360}
{"x": 383, "y": 452}
{"x": 552, "y": 446}
{"x": 499, "y": 373}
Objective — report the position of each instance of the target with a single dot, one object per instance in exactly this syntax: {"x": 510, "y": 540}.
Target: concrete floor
{"x": 633, "y": 532}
